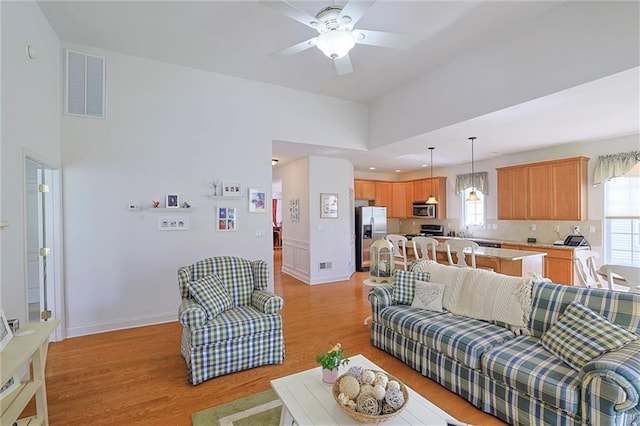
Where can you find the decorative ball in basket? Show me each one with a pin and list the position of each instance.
(370, 396)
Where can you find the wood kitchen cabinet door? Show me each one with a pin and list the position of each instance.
(398, 200)
(512, 193)
(540, 192)
(559, 271)
(383, 196)
(364, 189)
(420, 189)
(409, 198)
(570, 189)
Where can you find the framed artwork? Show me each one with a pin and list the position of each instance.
(173, 201)
(226, 218)
(173, 224)
(257, 200)
(329, 206)
(294, 209)
(231, 189)
(5, 331)
(10, 386)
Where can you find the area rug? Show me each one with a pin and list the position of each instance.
(262, 408)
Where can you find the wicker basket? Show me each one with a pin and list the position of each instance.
(367, 418)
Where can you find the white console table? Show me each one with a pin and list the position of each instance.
(21, 350)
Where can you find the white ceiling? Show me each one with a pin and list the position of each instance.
(236, 37)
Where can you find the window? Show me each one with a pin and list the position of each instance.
(622, 221)
(473, 212)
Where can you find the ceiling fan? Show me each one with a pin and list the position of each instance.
(336, 35)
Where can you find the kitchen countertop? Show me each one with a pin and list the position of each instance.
(518, 243)
(499, 253)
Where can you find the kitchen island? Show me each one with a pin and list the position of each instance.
(518, 263)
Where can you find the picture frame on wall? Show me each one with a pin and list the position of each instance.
(226, 219)
(5, 331)
(231, 189)
(257, 200)
(172, 201)
(329, 206)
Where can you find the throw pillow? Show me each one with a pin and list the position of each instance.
(581, 335)
(211, 293)
(404, 285)
(428, 296)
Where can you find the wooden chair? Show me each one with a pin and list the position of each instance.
(585, 266)
(399, 249)
(631, 275)
(424, 248)
(458, 247)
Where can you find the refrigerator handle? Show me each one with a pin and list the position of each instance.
(372, 223)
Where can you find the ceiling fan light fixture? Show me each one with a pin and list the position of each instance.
(335, 44)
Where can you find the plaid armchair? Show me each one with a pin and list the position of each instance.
(230, 321)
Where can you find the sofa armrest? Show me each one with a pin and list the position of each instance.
(191, 314)
(380, 298)
(184, 276)
(611, 386)
(266, 302)
(260, 270)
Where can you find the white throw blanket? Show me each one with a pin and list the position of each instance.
(484, 295)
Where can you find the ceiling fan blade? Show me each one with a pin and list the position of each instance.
(384, 39)
(293, 13)
(287, 51)
(353, 11)
(343, 65)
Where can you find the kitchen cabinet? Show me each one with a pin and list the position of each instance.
(440, 192)
(558, 263)
(409, 197)
(549, 190)
(398, 208)
(364, 189)
(512, 193)
(420, 190)
(383, 196)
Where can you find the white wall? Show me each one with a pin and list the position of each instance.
(331, 239)
(172, 129)
(572, 44)
(31, 107)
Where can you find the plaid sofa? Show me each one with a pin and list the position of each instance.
(246, 336)
(513, 377)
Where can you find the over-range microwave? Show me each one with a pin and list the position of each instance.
(424, 210)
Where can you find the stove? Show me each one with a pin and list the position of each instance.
(429, 230)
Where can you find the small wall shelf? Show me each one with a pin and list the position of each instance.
(228, 197)
(170, 210)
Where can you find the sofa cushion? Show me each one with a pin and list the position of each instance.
(211, 293)
(428, 296)
(236, 274)
(463, 339)
(236, 323)
(404, 285)
(523, 364)
(581, 335)
(550, 301)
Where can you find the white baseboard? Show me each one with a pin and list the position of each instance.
(121, 324)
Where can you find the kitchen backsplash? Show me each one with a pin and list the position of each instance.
(514, 230)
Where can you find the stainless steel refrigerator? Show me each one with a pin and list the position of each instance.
(371, 225)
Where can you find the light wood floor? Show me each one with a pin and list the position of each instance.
(138, 376)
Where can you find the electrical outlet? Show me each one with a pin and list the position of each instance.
(534, 226)
(592, 229)
(556, 228)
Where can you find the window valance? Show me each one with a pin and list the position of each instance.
(614, 165)
(479, 180)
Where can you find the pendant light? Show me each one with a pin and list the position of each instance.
(472, 195)
(432, 199)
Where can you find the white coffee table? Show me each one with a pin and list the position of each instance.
(306, 400)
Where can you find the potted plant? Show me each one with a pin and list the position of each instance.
(331, 362)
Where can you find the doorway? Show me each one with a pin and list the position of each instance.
(41, 183)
